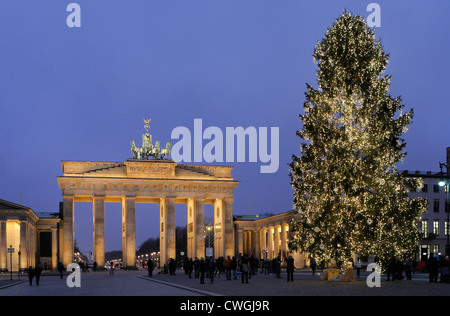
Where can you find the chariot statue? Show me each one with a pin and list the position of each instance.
(147, 149)
(166, 151)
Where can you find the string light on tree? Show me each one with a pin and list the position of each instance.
(347, 188)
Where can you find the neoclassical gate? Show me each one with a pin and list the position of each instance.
(148, 181)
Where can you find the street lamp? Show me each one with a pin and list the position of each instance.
(446, 185)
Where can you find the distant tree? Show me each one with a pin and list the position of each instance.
(83, 256)
(152, 244)
(113, 255)
(149, 246)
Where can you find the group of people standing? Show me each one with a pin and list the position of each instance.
(204, 268)
(245, 265)
(34, 273)
(438, 264)
(274, 266)
(396, 267)
(434, 266)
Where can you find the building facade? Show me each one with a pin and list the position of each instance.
(26, 237)
(434, 224)
(266, 237)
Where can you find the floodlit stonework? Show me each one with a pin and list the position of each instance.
(267, 236)
(148, 181)
(20, 231)
(162, 182)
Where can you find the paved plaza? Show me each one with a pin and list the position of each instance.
(137, 283)
(123, 283)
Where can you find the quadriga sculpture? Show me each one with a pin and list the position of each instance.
(148, 150)
(166, 151)
(135, 151)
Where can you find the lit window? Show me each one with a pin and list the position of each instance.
(425, 228)
(436, 249)
(436, 227)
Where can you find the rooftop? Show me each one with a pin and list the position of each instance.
(419, 173)
(248, 217)
(6, 205)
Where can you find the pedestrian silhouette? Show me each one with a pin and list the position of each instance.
(313, 266)
(290, 268)
(245, 267)
(37, 273)
(150, 267)
(433, 268)
(31, 274)
(60, 269)
(202, 269)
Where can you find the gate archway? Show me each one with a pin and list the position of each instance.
(148, 181)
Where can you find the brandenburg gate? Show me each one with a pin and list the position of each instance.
(144, 180)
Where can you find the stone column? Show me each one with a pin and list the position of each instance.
(61, 242)
(128, 232)
(3, 246)
(33, 242)
(244, 242)
(191, 250)
(199, 228)
(219, 225)
(270, 242)
(240, 241)
(23, 248)
(249, 242)
(98, 205)
(263, 240)
(54, 248)
(196, 228)
(162, 232)
(68, 233)
(276, 232)
(167, 230)
(38, 246)
(284, 247)
(30, 250)
(256, 243)
(228, 227)
(170, 228)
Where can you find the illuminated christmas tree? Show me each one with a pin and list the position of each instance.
(350, 195)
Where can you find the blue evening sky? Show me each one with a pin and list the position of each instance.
(81, 93)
